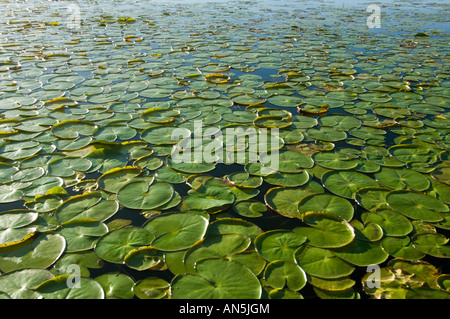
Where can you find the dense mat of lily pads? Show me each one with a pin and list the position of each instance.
(87, 180)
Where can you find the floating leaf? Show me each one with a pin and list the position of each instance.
(217, 278)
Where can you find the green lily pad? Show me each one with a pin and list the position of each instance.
(177, 231)
(73, 129)
(89, 205)
(346, 183)
(327, 230)
(82, 234)
(217, 278)
(285, 201)
(417, 205)
(432, 244)
(37, 252)
(278, 244)
(402, 178)
(143, 195)
(151, 288)
(401, 247)
(211, 197)
(372, 198)
(250, 209)
(15, 226)
(333, 160)
(114, 179)
(322, 263)
(392, 222)
(115, 245)
(361, 253)
(326, 203)
(116, 286)
(58, 288)
(144, 258)
(288, 179)
(21, 284)
(281, 273)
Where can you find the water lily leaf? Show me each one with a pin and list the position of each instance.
(432, 244)
(85, 260)
(285, 201)
(331, 284)
(285, 100)
(58, 288)
(10, 193)
(19, 150)
(346, 183)
(15, 226)
(67, 167)
(293, 162)
(151, 288)
(278, 244)
(210, 198)
(372, 198)
(417, 205)
(143, 195)
(224, 245)
(322, 263)
(361, 253)
(21, 284)
(116, 286)
(326, 133)
(115, 245)
(227, 225)
(73, 129)
(369, 231)
(114, 179)
(177, 231)
(250, 209)
(243, 179)
(113, 132)
(144, 258)
(288, 179)
(191, 167)
(37, 252)
(82, 234)
(326, 203)
(6, 172)
(89, 205)
(231, 281)
(281, 273)
(392, 222)
(326, 231)
(164, 134)
(401, 178)
(333, 160)
(401, 248)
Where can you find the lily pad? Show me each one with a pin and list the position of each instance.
(37, 252)
(217, 278)
(346, 183)
(115, 245)
(143, 195)
(177, 231)
(417, 205)
(326, 203)
(278, 244)
(326, 231)
(322, 263)
(280, 273)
